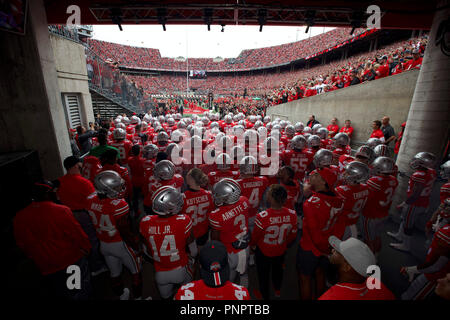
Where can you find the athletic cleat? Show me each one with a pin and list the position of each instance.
(126, 294)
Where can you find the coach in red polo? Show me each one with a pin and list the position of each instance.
(49, 235)
(377, 133)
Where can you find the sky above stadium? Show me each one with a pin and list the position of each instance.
(196, 42)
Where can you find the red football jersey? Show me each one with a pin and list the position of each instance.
(293, 192)
(320, 213)
(298, 160)
(253, 189)
(381, 190)
(198, 290)
(104, 215)
(426, 178)
(343, 161)
(124, 147)
(441, 238)
(91, 167)
(232, 222)
(327, 144)
(197, 205)
(216, 176)
(274, 229)
(343, 151)
(355, 198)
(357, 291)
(153, 184)
(444, 192)
(167, 239)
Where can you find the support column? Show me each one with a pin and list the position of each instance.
(31, 111)
(427, 126)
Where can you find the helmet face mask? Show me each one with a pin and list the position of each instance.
(367, 152)
(341, 140)
(226, 191)
(290, 130)
(298, 143)
(314, 141)
(119, 134)
(299, 126)
(167, 201)
(110, 184)
(150, 151)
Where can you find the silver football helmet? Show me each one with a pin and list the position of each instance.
(341, 140)
(356, 172)
(226, 191)
(144, 126)
(252, 119)
(366, 152)
(119, 134)
(445, 170)
(150, 151)
(290, 130)
(266, 119)
(228, 119)
(164, 170)
(238, 130)
(323, 158)
(214, 124)
(307, 130)
(322, 133)
(382, 165)
(262, 132)
(126, 120)
(109, 183)
(380, 150)
(178, 135)
(167, 201)
(171, 121)
(316, 127)
(162, 137)
(135, 120)
(299, 126)
(373, 142)
(283, 124)
(258, 124)
(423, 159)
(248, 165)
(181, 124)
(314, 141)
(298, 142)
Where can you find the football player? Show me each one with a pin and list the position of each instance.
(436, 266)
(419, 190)
(299, 158)
(229, 223)
(355, 193)
(163, 175)
(320, 212)
(314, 143)
(166, 235)
(252, 186)
(223, 162)
(122, 144)
(198, 203)
(275, 228)
(443, 195)
(382, 186)
(108, 161)
(91, 167)
(137, 171)
(109, 215)
(215, 274)
(325, 143)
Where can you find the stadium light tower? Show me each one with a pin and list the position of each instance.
(162, 13)
(310, 15)
(208, 17)
(262, 18)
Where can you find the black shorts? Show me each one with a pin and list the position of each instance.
(307, 262)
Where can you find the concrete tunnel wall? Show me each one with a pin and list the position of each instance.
(362, 103)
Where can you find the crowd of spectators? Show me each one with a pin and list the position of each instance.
(149, 58)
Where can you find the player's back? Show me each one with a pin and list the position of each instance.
(298, 161)
(216, 176)
(232, 222)
(197, 205)
(381, 191)
(104, 214)
(426, 178)
(355, 198)
(253, 189)
(91, 167)
(166, 237)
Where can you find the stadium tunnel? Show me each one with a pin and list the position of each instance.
(32, 117)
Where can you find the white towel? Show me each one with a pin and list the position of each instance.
(242, 261)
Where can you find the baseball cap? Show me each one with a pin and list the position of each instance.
(327, 174)
(71, 161)
(214, 268)
(355, 252)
